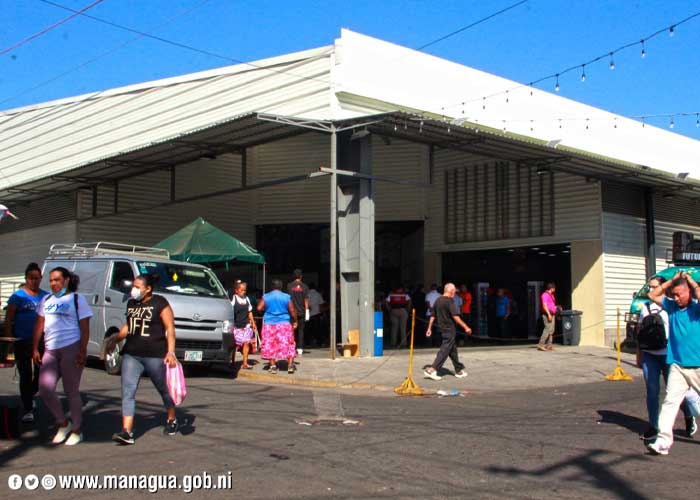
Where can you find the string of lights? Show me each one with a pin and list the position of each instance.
(49, 28)
(608, 55)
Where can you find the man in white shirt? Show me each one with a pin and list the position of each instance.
(430, 299)
(315, 303)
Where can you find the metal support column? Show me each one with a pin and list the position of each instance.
(333, 236)
(367, 228)
(650, 214)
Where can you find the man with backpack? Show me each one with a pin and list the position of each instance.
(683, 353)
(652, 335)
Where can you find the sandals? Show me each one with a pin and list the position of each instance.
(246, 367)
(273, 370)
(292, 368)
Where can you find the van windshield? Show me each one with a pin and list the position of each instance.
(183, 279)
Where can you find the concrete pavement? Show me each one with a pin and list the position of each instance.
(490, 369)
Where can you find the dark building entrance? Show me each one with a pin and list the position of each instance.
(522, 272)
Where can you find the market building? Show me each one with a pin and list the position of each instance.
(435, 181)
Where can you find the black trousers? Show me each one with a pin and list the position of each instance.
(301, 322)
(28, 373)
(313, 332)
(448, 349)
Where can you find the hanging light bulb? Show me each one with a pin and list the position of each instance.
(483, 105)
(421, 127)
(532, 125)
(556, 87)
(612, 62)
(530, 90)
(644, 122)
(462, 108)
(614, 122)
(671, 31)
(644, 52)
(559, 122)
(507, 99)
(504, 125)
(697, 119)
(583, 72)
(671, 123)
(586, 123)
(395, 127)
(405, 124)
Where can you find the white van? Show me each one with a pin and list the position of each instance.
(203, 313)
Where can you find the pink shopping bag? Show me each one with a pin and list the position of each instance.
(176, 383)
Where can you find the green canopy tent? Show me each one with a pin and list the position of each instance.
(202, 242)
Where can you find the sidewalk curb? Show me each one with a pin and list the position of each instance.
(306, 382)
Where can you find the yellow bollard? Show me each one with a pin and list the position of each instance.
(409, 387)
(618, 373)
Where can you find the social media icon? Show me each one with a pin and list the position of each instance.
(31, 482)
(14, 481)
(48, 482)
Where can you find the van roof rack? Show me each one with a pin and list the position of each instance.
(104, 248)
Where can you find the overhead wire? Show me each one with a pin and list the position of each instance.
(220, 56)
(469, 26)
(49, 28)
(191, 48)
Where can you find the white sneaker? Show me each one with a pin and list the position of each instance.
(62, 433)
(658, 448)
(28, 417)
(432, 374)
(461, 374)
(74, 439)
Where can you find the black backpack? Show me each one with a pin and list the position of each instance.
(651, 335)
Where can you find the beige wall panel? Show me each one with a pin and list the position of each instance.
(586, 285)
(19, 248)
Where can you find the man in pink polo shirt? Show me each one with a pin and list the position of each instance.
(549, 311)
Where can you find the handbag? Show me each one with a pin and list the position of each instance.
(176, 383)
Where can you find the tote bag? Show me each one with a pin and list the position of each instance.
(176, 383)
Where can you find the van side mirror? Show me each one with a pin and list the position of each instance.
(126, 285)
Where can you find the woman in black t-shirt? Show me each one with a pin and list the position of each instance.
(150, 346)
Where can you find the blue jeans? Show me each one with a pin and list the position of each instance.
(132, 368)
(654, 366)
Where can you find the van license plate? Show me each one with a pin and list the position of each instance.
(193, 355)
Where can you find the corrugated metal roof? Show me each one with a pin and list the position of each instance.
(42, 141)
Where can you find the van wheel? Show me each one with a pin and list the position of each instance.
(113, 362)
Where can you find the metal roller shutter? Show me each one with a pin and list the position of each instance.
(402, 160)
(624, 262)
(298, 202)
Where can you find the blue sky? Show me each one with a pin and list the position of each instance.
(532, 40)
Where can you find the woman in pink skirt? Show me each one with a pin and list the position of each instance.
(278, 332)
(244, 327)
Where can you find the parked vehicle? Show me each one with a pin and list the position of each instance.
(203, 313)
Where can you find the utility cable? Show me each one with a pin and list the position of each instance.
(49, 28)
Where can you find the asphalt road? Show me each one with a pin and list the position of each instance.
(570, 442)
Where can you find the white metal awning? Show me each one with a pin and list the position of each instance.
(259, 128)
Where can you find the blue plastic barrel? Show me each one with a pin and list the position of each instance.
(378, 333)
